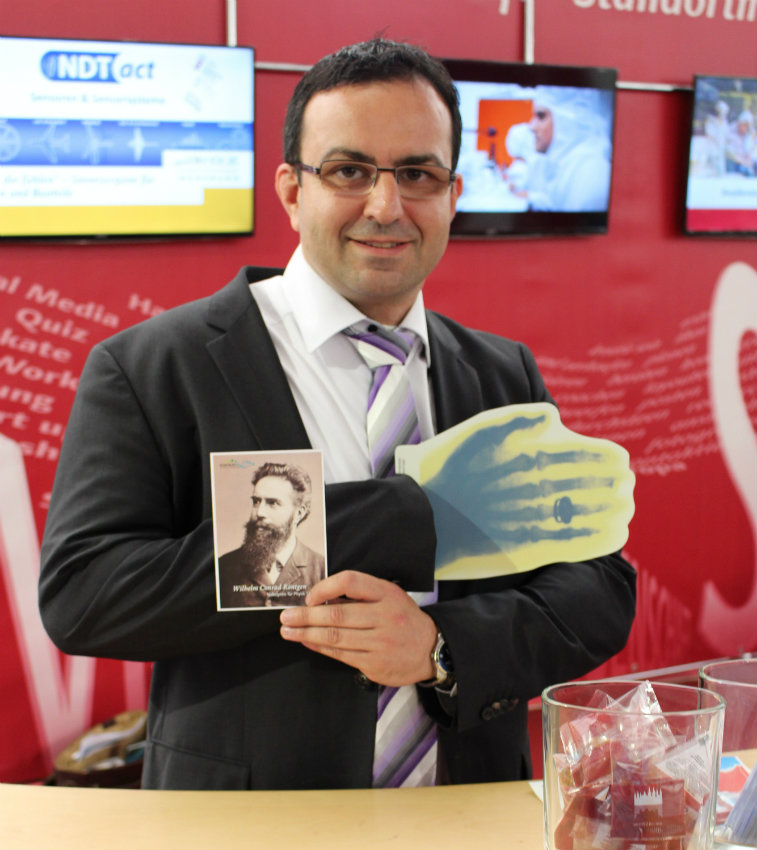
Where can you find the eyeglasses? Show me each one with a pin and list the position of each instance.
(358, 178)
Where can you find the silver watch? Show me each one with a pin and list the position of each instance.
(443, 667)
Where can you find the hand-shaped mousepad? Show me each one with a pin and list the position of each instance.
(513, 489)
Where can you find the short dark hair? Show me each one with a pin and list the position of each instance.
(297, 477)
(377, 60)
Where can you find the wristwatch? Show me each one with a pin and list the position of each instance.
(443, 667)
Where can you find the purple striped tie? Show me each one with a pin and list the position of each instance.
(405, 750)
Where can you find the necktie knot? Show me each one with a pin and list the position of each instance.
(380, 346)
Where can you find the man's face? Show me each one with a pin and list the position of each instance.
(274, 504)
(543, 127)
(377, 249)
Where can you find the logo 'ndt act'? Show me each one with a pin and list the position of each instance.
(61, 65)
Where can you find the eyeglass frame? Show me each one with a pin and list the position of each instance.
(316, 171)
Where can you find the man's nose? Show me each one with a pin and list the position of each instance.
(384, 202)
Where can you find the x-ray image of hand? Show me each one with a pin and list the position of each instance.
(513, 489)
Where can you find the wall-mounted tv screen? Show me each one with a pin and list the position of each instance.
(721, 185)
(102, 138)
(537, 146)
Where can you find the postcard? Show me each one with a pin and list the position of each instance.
(269, 527)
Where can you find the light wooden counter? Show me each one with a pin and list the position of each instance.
(506, 816)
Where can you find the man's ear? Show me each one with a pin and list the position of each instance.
(288, 189)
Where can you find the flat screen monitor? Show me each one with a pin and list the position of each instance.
(101, 138)
(537, 147)
(721, 184)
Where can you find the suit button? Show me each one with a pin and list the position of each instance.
(498, 707)
(364, 682)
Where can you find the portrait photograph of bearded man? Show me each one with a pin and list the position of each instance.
(273, 567)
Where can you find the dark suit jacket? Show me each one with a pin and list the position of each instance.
(303, 568)
(127, 563)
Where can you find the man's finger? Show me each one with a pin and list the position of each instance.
(348, 583)
(331, 640)
(327, 616)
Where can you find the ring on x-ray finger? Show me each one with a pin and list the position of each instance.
(563, 509)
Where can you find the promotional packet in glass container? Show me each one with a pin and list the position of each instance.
(633, 776)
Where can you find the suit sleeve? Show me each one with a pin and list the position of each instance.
(511, 637)
(127, 562)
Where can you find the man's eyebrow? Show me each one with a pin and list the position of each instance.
(361, 156)
(421, 159)
(348, 153)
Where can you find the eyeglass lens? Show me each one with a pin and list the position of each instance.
(414, 181)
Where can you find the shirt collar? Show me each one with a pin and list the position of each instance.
(284, 554)
(321, 312)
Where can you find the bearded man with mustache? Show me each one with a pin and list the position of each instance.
(272, 568)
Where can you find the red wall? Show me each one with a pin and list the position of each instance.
(622, 324)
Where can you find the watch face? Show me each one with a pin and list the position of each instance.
(445, 659)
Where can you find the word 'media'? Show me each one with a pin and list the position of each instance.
(83, 309)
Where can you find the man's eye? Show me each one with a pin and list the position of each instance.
(416, 175)
(423, 177)
(350, 172)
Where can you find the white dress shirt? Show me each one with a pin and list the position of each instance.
(329, 379)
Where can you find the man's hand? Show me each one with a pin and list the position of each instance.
(370, 624)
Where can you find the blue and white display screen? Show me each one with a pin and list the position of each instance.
(118, 138)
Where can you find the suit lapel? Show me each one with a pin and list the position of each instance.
(457, 396)
(248, 363)
(455, 383)
(247, 360)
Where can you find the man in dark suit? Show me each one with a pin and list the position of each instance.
(272, 567)
(371, 142)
